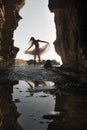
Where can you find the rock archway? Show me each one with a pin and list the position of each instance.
(70, 21)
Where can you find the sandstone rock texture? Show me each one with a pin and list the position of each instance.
(8, 23)
(71, 31)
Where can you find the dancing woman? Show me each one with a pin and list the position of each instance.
(37, 51)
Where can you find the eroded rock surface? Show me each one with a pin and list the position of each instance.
(71, 31)
(8, 23)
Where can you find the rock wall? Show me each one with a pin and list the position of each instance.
(8, 25)
(8, 111)
(2, 20)
(71, 30)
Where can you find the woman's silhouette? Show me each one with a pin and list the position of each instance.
(37, 51)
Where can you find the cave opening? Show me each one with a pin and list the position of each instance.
(38, 22)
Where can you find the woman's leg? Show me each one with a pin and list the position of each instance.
(39, 58)
(34, 59)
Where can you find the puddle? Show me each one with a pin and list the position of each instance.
(29, 100)
(33, 104)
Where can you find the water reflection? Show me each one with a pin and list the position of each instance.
(8, 110)
(40, 107)
(36, 86)
(33, 104)
(75, 109)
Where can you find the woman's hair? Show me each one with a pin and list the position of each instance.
(32, 39)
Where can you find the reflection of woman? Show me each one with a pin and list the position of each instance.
(37, 51)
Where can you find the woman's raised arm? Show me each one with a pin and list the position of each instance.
(43, 41)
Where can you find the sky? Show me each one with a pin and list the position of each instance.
(37, 21)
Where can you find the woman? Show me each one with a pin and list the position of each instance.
(37, 51)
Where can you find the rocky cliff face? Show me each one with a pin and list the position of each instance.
(8, 23)
(70, 21)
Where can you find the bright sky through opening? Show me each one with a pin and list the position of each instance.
(38, 22)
